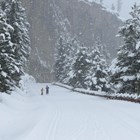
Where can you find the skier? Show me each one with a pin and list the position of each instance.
(47, 89)
(42, 91)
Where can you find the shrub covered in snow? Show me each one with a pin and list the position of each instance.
(26, 79)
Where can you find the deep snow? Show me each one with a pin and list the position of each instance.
(65, 115)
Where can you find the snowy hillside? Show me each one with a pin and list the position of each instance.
(74, 18)
(65, 115)
(125, 6)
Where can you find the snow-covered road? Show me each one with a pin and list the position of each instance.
(65, 115)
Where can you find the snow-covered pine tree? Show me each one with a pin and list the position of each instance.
(69, 54)
(126, 71)
(112, 7)
(101, 2)
(65, 52)
(119, 5)
(103, 50)
(60, 59)
(7, 59)
(80, 66)
(72, 45)
(98, 74)
(16, 17)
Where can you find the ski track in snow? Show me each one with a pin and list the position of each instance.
(64, 115)
(50, 135)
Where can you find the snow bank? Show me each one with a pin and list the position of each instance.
(84, 91)
(26, 79)
(115, 96)
(23, 88)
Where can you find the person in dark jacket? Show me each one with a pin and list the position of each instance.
(47, 89)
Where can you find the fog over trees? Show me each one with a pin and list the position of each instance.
(78, 19)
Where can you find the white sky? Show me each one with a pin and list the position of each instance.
(126, 6)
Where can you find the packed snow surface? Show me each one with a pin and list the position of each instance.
(66, 115)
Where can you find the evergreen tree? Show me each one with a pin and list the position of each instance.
(16, 17)
(72, 47)
(125, 76)
(14, 43)
(69, 54)
(65, 53)
(101, 2)
(98, 75)
(7, 59)
(112, 7)
(60, 60)
(103, 50)
(80, 68)
(119, 5)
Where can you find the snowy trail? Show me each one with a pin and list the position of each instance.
(64, 115)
